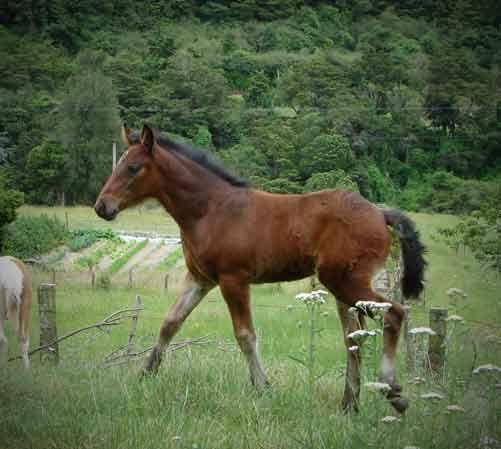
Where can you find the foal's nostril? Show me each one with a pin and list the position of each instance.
(100, 208)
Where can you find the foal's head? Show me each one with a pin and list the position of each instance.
(133, 179)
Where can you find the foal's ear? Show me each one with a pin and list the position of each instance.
(126, 135)
(148, 138)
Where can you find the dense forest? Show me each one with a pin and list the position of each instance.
(398, 99)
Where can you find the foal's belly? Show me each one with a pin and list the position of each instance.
(290, 270)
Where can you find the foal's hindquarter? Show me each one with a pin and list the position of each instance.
(254, 237)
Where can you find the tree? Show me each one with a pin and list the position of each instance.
(88, 123)
(325, 153)
(10, 200)
(258, 94)
(46, 164)
(334, 179)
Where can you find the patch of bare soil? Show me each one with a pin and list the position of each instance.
(71, 257)
(137, 260)
(158, 255)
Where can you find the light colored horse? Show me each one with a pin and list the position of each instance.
(15, 305)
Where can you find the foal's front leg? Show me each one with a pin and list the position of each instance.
(237, 296)
(191, 295)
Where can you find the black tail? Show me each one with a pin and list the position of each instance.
(412, 252)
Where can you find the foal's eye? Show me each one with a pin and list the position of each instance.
(133, 168)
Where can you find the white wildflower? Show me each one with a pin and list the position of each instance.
(360, 335)
(315, 297)
(455, 318)
(455, 408)
(488, 442)
(432, 396)
(418, 380)
(319, 292)
(376, 308)
(353, 348)
(456, 292)
(422, 330)
(389, 419)
(377, 386)
(487, 368)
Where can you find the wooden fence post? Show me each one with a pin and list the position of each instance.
(133, 327)
(166, 282)
(48, 328)
(436, 346)
(410, 350)
(130, 278)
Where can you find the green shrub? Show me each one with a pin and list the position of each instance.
(103, 281)
(280, 185)
(334, 179)
(445, 193)
(122, 260)
(33, 236)
(93, 259)
(172, 259)
(480, 231)
(84, 238)
(10, 200)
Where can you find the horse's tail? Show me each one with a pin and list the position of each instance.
(412, 252)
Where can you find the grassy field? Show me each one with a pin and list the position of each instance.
(147, 219)
(202, 397)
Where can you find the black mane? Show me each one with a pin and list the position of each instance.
(200, 157)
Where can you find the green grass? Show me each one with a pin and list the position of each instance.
(202, 397)
(171, 259)
(117, 264)
(148, 219)
(91, 260)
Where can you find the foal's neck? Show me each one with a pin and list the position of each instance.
(187, 188)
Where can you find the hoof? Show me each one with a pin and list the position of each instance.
(396, 389)
(262, 386)
(152, 364)
(146, 374)
(349, 406)
(399, 403)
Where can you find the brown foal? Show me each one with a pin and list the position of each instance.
(234, 236)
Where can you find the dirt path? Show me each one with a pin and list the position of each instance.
(138, 258)
(157, 256)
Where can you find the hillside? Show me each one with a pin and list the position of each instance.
(401, 102)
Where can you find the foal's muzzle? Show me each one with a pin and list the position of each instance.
(106, 208)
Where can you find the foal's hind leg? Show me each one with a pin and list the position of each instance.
(356, 286)
(237, 297)
(189, 298)
(351, 322)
